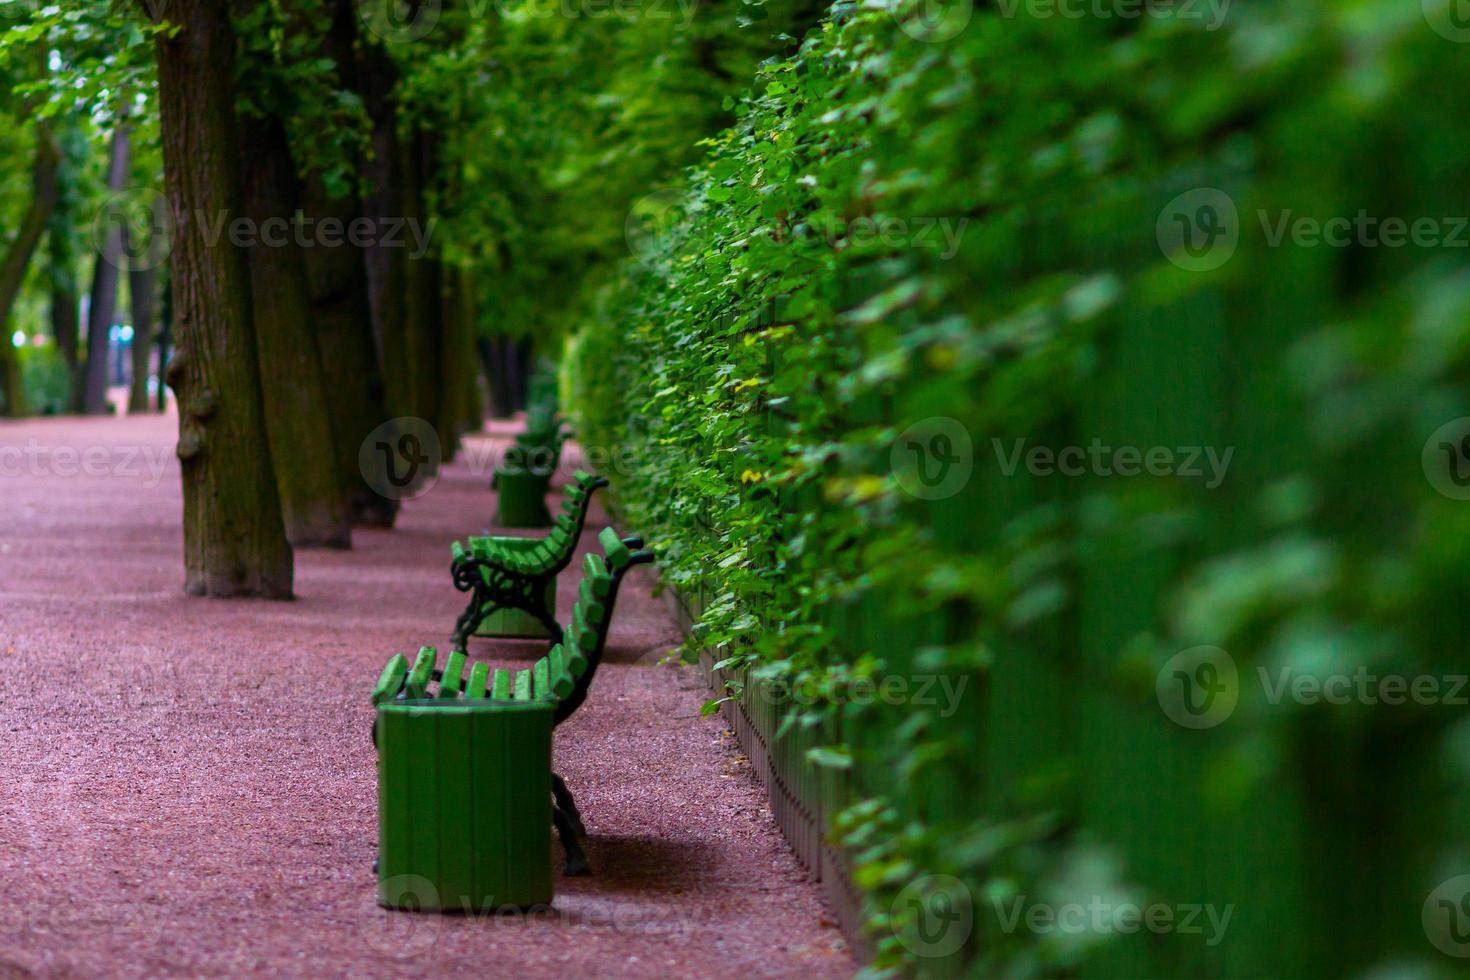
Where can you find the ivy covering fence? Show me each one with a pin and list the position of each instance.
(999, 356)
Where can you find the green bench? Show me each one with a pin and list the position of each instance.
(524, 476)
(562, 677)
(512, 580)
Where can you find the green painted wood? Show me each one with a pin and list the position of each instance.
(452, 680)
(560, 677)
(390, 682)
(540, 678)
(464, 793)
(612, 546)
(522, 687)
(500, 688)
(479, 676)
(576, 661)
(521, 499)
(595, 573)
(416, 685)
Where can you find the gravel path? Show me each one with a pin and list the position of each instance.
(188, 786)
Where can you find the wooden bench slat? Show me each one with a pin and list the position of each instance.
(479, 675)
(452, 679)
(541, 678)
(391, 680)
(500, 689)
(417, 683)
(596, 573)
(576, 661)
(561, 679)
(591, 606)
(617, 553)
(523, 685)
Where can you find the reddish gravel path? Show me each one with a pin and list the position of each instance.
(188, 785)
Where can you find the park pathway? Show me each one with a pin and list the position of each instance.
(188, 786)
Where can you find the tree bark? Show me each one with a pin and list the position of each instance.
(142, 287)
(44, 191)
(386, 267)
(103, 307)
(165, 335)
(460, 406)
(303, 450)
(423, 290)
(339, 296)
(234, 537)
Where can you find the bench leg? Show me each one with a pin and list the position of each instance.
(576, 857)
(547, 618)
(467, 623)
(566, 804)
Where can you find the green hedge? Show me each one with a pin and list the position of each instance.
(768, 377)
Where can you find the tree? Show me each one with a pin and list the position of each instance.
(92, 398)
(356, 398)
(234, 536)
(18, 257)
(142, 290)
(303, 449)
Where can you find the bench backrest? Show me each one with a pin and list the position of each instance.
(564, 675)
(581, 649)
(553, 552)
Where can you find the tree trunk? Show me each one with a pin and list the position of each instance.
(344, 327)
(495, 359)
(308, 475)
(423, 290)
(142, 287)
(234, 537)
(459, 408)
(386, 267)
(165, 336)
(473, 405)
(103, 308)
(64, 326)
(18, 257)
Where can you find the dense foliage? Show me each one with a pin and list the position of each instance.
(749, 378)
